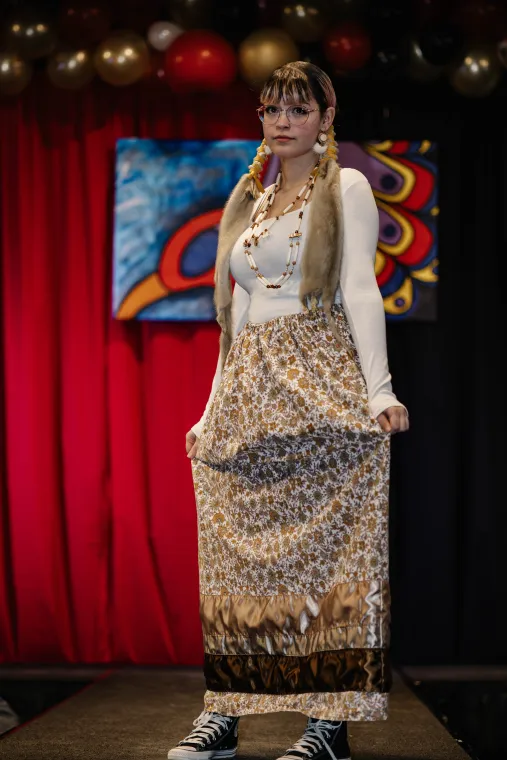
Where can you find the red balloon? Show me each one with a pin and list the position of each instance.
(84, 22)
(200, 60)
(348, 46)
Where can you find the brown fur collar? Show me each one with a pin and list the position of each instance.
(322, 249)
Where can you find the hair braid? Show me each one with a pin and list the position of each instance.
(331, 153)
(257, 165)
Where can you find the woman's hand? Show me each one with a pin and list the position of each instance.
(191, 444)
(394, 420)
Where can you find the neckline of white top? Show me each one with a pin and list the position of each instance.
(272, 218)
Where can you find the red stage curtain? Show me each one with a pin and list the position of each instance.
(98, 550)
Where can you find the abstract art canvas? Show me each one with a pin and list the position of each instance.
(169, 197)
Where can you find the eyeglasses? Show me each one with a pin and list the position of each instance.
(295, 114)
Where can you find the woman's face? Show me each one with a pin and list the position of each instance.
(289, 139)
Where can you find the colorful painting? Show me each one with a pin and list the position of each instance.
(169, 201)
(404, 179)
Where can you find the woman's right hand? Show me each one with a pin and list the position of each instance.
(191, 444)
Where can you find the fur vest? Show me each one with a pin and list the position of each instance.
(321, 255)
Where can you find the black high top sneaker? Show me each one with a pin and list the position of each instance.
(322, 740)
(214, 735)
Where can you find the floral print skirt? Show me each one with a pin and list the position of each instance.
(291, 483)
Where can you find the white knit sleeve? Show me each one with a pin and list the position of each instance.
(239, 315)
(361, 297)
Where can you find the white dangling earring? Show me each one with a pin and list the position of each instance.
(320, 146)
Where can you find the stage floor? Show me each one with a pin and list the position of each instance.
(140, 713)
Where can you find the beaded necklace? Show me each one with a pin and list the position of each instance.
(294, 236)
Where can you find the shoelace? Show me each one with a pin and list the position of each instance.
(207, 724)
(313, 738)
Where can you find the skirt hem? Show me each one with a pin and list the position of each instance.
(348, 705)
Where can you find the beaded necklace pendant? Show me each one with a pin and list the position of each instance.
(294, 237)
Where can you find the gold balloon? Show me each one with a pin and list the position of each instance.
(29, 34)
(71, 69)
(478, 73)
(264, 51)
(122, 59)
(15, 73)
(303, 21)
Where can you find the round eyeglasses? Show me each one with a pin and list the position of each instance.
(295, 114)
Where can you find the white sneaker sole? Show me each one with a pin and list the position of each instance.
(187, 754)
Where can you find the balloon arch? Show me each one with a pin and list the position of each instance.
(201, 45)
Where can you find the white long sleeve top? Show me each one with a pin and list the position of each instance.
(358, 291)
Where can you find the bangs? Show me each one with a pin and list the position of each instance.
(299, 82)
(290, 86)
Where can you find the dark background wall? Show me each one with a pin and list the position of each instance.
(448, 503)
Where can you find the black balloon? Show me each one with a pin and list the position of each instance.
(419, 69)
(347, 9)
(441, 44)
(191, 14)
(390, 16)
(235, 19)
(313, 52)
(269, 12)
(426, 11)
(390, 57)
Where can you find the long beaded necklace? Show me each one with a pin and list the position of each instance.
(294, 237)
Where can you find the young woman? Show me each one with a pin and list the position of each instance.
(290, 459)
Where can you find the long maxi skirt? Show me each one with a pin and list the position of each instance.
(291, 482)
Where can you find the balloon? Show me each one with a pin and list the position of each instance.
(84, 23)
(200, 60)
(139, 18)
(161, 34)
(71, 69)
(484, 20)
(390, 57)
(427, 11)
(313, 52)
(390, 16)
(478, 73)
(263, 51)
(303, 21)
(348, 46)
(347, 9)
(15, 73)
(122, 58)
(191, 14)
(502, 52)
(268, 12)
(419, 68)
(441, 43)
(235, 19)
(29, 33)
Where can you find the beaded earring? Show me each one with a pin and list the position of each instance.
(321, 146)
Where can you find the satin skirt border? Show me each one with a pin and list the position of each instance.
(363, 670)
(348, 705)
(353, 615)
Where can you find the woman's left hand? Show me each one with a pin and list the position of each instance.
(394, 420)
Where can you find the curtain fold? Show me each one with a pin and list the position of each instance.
(99, 559)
